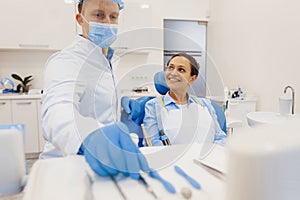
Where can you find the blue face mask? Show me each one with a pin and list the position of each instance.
(102, 34)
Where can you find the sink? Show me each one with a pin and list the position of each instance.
(258, 118)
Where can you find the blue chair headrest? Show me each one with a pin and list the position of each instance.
(160, 83)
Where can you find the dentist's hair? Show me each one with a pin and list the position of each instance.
(80, 5)
(194, 65)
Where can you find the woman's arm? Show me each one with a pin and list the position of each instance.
(151, 121)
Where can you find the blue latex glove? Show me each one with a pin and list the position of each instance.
(110, 151)
(135, 108)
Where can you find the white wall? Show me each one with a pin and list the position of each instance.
(24, 63)
(255, 44)
(152, 62)
(32, 62)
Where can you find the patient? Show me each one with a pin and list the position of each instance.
(181, 116)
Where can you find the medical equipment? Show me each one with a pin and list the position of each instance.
(192, 181)
(165, 140)
(215, 161)
(168, 186)
(186, 193)
(147, 140)
(102, 34)
(263, 162)
(214, 171)
(12, 158)
(118, 187)
(148, 187)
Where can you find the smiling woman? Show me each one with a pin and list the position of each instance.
(181, 71)
(182, 116)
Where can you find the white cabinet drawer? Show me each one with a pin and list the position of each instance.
(25, 112)
(5, 112)
(238, 109)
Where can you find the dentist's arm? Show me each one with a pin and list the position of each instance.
(110, 151)
(135, 108)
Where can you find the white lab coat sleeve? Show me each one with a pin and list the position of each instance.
(62, 123)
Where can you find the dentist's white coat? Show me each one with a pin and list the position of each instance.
(79, 97)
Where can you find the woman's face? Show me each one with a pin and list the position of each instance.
(178, 74)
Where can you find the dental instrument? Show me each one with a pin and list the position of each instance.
(148, 187)
(118, 187)
(186, 193)
(147, 140)
(168, 186)
(217, 173)
(165, 140)
(192, 181)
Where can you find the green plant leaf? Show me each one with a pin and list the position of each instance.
(27, 78)
(26, 81)
(17, 77)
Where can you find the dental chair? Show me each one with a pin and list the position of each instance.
(162, 89)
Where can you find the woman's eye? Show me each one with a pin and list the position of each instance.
(170, 68)
(181, 69)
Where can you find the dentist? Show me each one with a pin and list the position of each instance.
(80, 100)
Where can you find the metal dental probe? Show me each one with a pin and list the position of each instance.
(148, 187)
(118, 187)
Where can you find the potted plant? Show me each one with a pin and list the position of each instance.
(23, 87)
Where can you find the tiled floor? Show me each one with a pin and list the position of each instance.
(30, 160)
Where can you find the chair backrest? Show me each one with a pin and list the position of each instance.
(162, 88)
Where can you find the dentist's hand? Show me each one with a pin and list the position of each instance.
(135, 108)
(110, 151)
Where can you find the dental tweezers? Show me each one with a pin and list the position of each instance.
(148, 187)
(118, 187)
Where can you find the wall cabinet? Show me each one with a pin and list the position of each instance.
(24, 111)
(134, 32)
(33, 24)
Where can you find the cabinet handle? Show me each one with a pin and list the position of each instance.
(2, 103)
(120, 48)
(36, 46)
(23, 103)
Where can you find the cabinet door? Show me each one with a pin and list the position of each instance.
(239, 109)
(24, 112)
(37, 24)
(134, 33)
(40, 132)
(5, 112)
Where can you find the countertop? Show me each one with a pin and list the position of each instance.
(11, 96)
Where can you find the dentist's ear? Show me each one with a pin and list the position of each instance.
(79, 19)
